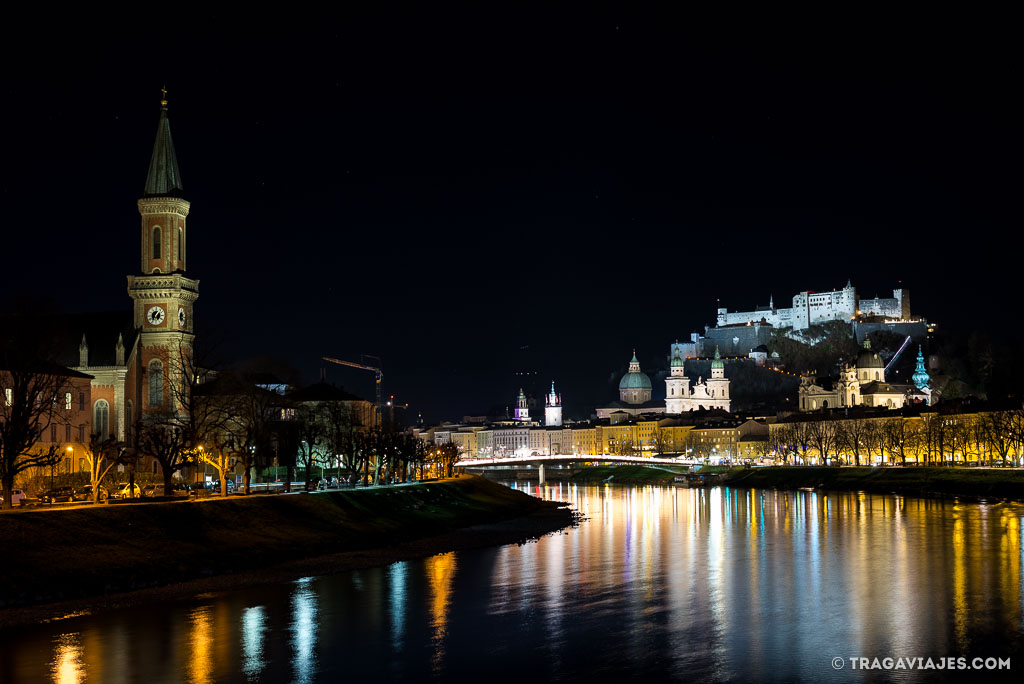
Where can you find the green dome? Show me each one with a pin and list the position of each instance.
(677, 360)
(717, 363)
(635, 381)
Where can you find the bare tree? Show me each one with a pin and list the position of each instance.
(312, 438)
(33, 388)
(852, 437)
(163, 439)
(822, 436)
(102, 455)
(998, 426)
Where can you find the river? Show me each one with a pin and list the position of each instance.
(657, 583)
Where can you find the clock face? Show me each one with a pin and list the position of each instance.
(181, 317)
(155, 316)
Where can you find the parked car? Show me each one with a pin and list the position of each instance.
(152, 490)
(215, 486)
(58, 494)
(17, 496)
(124, 491)
(85, 494)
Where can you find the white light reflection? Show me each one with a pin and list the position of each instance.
(397, 574)
(67, 660)
(253, 621)
(303, 629)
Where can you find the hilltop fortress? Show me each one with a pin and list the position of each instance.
(811, 308)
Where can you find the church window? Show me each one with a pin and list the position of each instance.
(101, 418)
(156, 383)
(67, 401)
(181, 237)
(156, 242)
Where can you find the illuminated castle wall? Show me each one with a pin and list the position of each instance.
(810, 308)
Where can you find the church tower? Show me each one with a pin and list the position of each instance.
(163, 296)
(552, 407)
(677, 385)
(522, 408)
(718, 385)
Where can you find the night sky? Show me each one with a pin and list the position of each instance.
(468, 194)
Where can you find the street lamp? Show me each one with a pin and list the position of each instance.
(198, 455)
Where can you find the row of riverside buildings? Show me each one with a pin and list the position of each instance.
(956, 433)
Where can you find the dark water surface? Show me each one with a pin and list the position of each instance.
(658, 584)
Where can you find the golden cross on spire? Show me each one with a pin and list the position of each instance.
(163, 100)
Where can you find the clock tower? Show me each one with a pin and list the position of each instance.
(163, 296)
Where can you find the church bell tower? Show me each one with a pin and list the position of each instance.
(163, 296)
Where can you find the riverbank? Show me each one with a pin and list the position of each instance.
(76, 559)
(626, 474)
(996, 483)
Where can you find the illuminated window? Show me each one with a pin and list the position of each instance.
(67, 401)
(156, 242)
(181, 237)
(101, 418)
(9, 394)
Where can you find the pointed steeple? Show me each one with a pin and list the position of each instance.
(717, 363)
(920, 376)
(83, 353)
(164, 178)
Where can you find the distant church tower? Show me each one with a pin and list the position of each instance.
(920, 376)
(163, 296)
(718, 386)
(677, 385)
(522, 408)
(553, 407)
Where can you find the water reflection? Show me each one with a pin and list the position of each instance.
(67, 660)
(303, 631)
(253, 620)
(657, 584)
(440, 572)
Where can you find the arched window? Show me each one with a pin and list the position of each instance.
(101, 418)
(156, 242)
(67, 401)
(156, 383)
(181, 239)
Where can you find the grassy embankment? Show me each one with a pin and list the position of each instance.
(55, 555)
(968, 482)
(626, 474)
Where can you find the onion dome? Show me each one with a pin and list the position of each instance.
(868, 358)
(634, 379)
(677, 360)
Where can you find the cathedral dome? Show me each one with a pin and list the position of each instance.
(634, 379)
(867, 358)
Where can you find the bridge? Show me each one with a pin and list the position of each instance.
(540, 461)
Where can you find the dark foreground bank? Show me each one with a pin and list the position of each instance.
(77, 559)
(978, 483)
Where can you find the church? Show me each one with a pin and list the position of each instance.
(137, 358)
(863, 384)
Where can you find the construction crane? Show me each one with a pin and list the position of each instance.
(353, 364)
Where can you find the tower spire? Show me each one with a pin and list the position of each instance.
(163, 178)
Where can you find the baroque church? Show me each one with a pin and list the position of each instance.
(863, 383)
(136, 359)
(635, 390)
